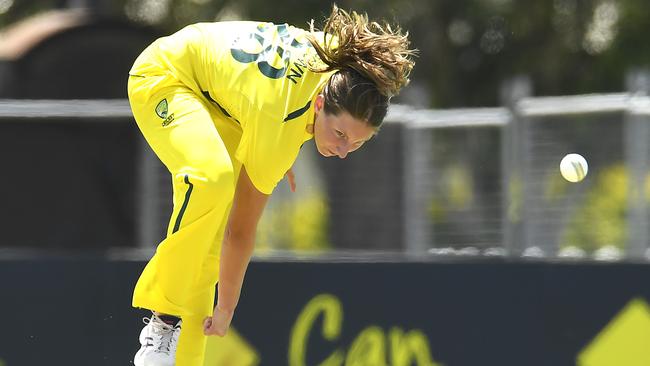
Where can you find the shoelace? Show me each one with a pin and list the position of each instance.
(162, 330)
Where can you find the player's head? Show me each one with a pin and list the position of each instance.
(372, 64)
(339, 133)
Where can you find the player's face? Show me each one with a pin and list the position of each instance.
(339, 135)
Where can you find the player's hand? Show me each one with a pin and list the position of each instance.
(292, 180)
(218, 323)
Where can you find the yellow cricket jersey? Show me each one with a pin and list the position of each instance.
(257, 75)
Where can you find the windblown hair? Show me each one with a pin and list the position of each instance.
(378, 52)
(369, 58)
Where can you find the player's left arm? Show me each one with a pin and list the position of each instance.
(236, 251)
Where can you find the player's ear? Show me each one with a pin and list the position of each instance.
(319, 103)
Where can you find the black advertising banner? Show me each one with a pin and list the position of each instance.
(77, 312)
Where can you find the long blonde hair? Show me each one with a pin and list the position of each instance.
(378, 52)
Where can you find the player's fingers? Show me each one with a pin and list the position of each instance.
(207, 325)
(214, 327)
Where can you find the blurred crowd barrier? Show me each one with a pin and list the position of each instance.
(462, 182)
(387, 313)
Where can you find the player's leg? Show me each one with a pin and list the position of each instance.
(192, 339)
(192, 342)
(178, 126)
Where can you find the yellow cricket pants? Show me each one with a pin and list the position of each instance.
(195, 141)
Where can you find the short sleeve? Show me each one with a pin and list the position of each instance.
(267, 150)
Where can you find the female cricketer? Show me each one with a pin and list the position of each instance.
(226, 107)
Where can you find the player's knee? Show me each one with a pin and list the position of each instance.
(215, 179)
(221, 182)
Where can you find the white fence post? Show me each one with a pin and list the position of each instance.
(637, 156)
(513, 157)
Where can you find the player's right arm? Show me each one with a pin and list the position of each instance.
(236, 251)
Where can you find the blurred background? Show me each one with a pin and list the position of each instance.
(463, 186)
(464, 172)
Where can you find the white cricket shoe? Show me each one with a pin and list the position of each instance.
(158, 343)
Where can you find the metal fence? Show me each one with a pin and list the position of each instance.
(478, 182)
(487, 182)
